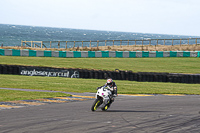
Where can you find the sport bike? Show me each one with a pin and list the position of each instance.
(102, 100)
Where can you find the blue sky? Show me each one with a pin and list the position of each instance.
(178, 17)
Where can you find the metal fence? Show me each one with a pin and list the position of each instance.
(144, 42)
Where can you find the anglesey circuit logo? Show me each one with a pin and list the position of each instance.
(61, 73)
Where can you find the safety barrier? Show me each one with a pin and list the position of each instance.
(98, 54)
(99, 74)
(97, 43)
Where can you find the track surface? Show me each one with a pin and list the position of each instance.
(148, 114)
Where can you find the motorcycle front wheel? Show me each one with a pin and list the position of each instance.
(96, 104)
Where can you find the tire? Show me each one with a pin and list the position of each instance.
(96, 104)
(106, 107)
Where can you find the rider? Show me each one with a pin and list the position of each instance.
(112, 87)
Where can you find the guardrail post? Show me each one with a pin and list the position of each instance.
(196, 41)
(74, 44)
(82, 44)
(135, 42)
(97, 43)
(149, 42)
(41, 44)
(66, 45)
(58, 44)
(172, 41)
(90, 43)
(142, 44)
(31, 44)
(22, 43)
(113, 42)
(120, 42)
(50, 44)
(157, 42)
(180, 42)
(188, 41)
(128, 42)
(164, 42)
(105, 42)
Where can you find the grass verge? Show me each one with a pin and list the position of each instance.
(171, 65)
(90, 85)
(12, 95)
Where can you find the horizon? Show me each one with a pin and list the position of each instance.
(96, 30)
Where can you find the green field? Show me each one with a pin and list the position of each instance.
(11, 95)
(90, 85)
(171, 65)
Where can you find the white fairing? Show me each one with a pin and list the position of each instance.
(104, 93)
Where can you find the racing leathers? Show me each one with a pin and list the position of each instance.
(113, 88)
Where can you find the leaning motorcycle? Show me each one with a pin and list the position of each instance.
(102, 100)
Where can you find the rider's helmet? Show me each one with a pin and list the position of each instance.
(109, 82)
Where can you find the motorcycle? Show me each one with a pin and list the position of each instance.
(103, 99)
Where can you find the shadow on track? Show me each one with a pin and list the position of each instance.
(129, 111)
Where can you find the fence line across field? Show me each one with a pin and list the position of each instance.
(90, 43)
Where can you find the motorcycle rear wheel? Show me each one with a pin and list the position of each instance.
(106, 107)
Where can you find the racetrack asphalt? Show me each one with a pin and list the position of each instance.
(128, 114)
